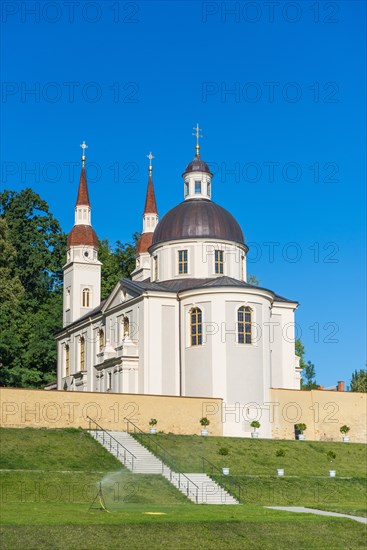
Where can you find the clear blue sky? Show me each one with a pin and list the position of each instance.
(145, 74)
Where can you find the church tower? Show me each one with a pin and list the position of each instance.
(82, 271)
(150, 221)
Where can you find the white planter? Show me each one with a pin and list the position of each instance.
(153, 430)
(225, 471)
(204, 432)
(345, 439)
(280, 472)
(301, 437)
(332, 473)
(255, 435)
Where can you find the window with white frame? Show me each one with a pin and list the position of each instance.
(244, 325)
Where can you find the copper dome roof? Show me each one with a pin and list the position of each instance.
(82, 235)
(198, 218)
(197, 165)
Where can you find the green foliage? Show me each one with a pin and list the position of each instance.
(253, 280)
(32, 253)
(38, 240)
(32, 248)
(301, 427)
(204, 421)
(359, 381)
(308, 374)
(280, 453)
(118, 262)
(308, 381)
(223, 451)
(255, 424)
(153, 422)
(344, 429)
(331, 455)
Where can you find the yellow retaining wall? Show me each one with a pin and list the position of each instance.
(324, 412)
(21, 408)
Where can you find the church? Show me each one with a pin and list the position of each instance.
(187, 323)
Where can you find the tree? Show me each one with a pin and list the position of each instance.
(308, 374)
(359, 381)
(308, 381)
(38, 240)
(32, 247)
(300, 352)
(11, 293)
(118, 262)
(32, 253)
(253, 280)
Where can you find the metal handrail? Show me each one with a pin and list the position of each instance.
(164, 460)
(223, 477)
(111, 437)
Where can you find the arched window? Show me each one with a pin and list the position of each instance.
(68, 298)
(82, 353)
(67, 360)
(196, 327)
(101, 340)
(126, 324)
(86, 297)
(244, 327)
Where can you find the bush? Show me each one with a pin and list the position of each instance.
(153, 422)
(223, 451)
(330, 455)
(301, 427)
(204, 421)
(255, 424)
(280, 453)
(344, 429)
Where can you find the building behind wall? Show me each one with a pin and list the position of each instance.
(188, 323)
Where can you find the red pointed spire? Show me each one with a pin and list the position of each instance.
(83, 196)
(150, 203)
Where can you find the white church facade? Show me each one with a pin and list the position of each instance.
(188, 323)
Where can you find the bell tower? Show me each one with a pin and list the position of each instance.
(197, 176)
(82, 271)
(150, 221)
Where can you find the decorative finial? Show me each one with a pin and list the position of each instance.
(150, 157)
(84, 146)
(197, 135)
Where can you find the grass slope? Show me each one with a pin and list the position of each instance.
(253, 464)
(49, 478)
(257, 456)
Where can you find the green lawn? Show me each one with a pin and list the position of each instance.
(253, 465)
(257, 456)
(50, 477)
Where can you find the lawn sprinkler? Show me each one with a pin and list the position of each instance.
(98, 501)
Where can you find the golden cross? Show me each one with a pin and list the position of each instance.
(198, 135)
(84, 146)
(150, 157)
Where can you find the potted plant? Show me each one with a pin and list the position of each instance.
(255, 424)
(330, 455)
(344, 430)
(301, 427)
(204, 422)
(223, 451)
(280, 453)
(152, 423)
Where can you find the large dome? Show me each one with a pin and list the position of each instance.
(198, 218)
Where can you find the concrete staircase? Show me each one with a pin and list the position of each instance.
(199, 488)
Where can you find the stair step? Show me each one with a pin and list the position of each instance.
(198, 488)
